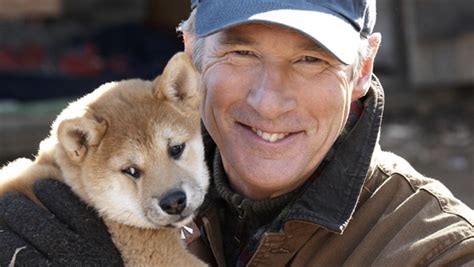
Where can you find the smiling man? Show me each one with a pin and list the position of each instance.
(273, 108)
(292, 115)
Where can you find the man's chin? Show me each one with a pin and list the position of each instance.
(271, 179)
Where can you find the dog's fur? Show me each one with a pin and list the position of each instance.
(131, 123)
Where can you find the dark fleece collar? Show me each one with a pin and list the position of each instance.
(332, 198)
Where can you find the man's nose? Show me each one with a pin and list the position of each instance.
(271, 96)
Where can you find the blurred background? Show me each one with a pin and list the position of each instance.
(52, 51)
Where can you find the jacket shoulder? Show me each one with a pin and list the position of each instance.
(428, 219)
(391, 166)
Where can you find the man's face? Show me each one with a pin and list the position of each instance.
(274, 103)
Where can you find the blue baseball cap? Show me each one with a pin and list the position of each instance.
(336, 25)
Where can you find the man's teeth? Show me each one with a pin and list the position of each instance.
(270, 137)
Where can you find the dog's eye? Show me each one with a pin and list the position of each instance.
(132, 171)
(176, 151)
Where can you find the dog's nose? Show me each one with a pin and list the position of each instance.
(173, 203)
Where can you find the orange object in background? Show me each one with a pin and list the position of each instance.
(84, 62)
(29, 58)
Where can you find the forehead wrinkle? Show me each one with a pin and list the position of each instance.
(310, 45)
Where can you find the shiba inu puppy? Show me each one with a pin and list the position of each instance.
(132, 150)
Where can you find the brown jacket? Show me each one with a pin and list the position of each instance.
(366, 208)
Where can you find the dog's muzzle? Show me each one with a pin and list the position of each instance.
(173, 203)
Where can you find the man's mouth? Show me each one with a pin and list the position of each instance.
(270, 137)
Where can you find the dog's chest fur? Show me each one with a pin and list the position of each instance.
(150, 247)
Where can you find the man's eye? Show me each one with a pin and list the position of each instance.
(243, 53)
(310, 59)
(132, 171)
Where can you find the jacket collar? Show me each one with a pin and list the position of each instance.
(331, 199)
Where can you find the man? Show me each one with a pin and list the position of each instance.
(292, 113)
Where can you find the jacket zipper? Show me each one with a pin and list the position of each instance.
(240, 223)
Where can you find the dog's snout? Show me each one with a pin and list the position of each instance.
(173, 203)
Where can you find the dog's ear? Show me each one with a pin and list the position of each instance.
(179, 81)
(78, 135)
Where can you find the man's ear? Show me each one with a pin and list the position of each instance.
(179, 81)
(188, 44)
(362, 84)
(78, 135)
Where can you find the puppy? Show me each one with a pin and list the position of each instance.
(132, 150)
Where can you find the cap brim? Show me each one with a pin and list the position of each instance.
(330, 31)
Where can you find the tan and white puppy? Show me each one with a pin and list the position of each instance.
(132, 150)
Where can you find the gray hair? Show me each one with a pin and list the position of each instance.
(197, 42)
(198, 46)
